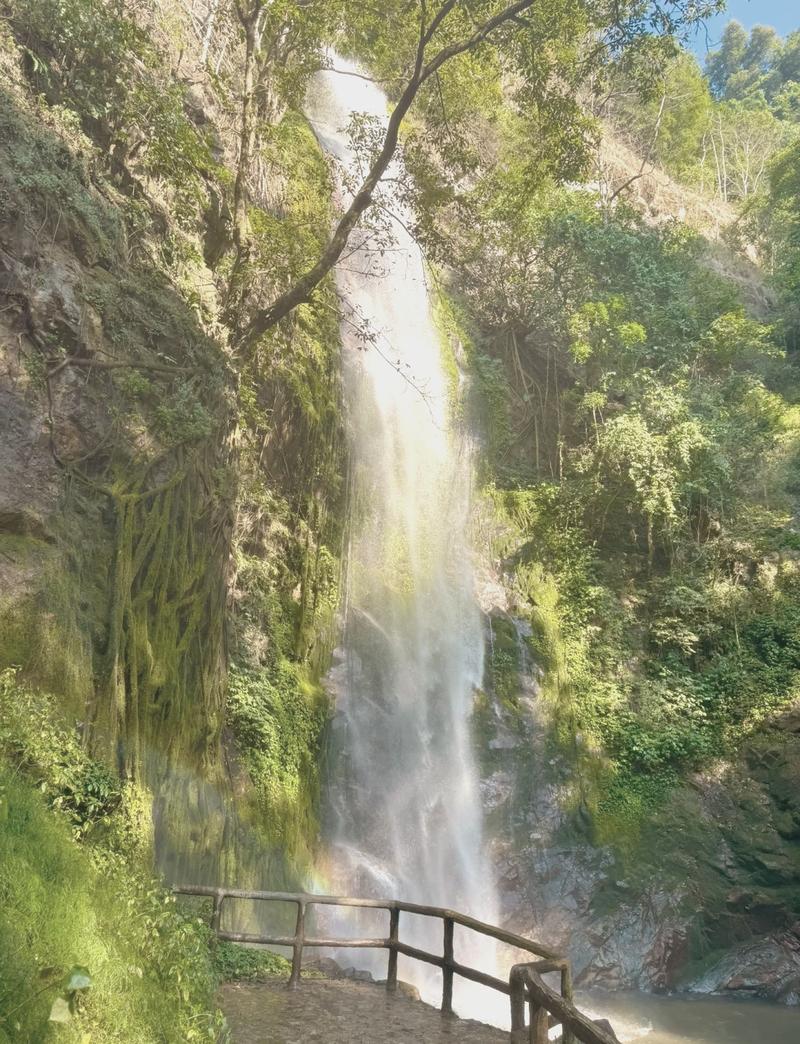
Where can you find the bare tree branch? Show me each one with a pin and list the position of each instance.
(645, 158)
(103, 364)
(304, 287)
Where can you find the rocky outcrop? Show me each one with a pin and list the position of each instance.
(714, 913)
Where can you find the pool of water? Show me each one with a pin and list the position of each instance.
(693, 1020)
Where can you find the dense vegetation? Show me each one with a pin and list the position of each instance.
(651, 525)
(90, 944)
(641, 453)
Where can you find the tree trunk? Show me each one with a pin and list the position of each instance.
(247, 132)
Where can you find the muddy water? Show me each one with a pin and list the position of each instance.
(693, 1020)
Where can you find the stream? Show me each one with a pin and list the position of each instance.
(687, 1019)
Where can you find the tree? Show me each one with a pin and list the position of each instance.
(723, 63)
(758, 66)
(741, 140)
(426, 65)
(667, 123)
(451, 30)
(783, 232)
(282, 47)
(788, 64)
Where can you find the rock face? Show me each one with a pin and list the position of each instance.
(705, 899)
(125, 582)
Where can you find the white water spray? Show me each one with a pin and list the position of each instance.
(405, 811)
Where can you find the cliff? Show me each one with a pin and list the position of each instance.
(169, 518)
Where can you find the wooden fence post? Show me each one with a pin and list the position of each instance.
(394, 936)
(447, 970)
(297, 948)
(567, 1036)
(517, 986)
(540, 1024)
(216, 913)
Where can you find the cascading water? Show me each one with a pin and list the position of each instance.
(404, 804)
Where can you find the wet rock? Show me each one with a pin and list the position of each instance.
(720, 861)
(606, 1026)
(404, 989)
(358, 975)
(408, 989)
(768, 968)
(326, 966)
(496, 790)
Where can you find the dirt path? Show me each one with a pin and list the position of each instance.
(341, 1012)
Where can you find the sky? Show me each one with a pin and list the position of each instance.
(783, 15)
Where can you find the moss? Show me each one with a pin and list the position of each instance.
(277, 716)
(504, 662)
(42, 626)
(288, 543)
(141, 559)
(449, 324)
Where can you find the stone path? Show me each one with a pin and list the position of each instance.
(341, 1012)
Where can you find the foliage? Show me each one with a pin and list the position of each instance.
(234, 963)
(746, 65)
(741, 139)
(773, 220)
(96, 59)
(646, 491)
(664, 120)
(287, 565)
(88, 940)
(277, 716)
(717, 131)
(31, 736)
(40, 179)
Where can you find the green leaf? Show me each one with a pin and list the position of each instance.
(60, 1011)
(78, 979)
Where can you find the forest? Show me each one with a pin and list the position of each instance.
(609, 228)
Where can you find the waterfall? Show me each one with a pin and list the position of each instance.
(404, 815)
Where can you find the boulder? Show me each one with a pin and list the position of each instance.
(768, 968)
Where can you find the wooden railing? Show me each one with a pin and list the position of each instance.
(547, 1009)
(524, 984)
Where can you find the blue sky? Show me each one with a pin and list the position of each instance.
(784, 15)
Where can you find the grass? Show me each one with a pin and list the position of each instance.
(76, 891)
(63, 905)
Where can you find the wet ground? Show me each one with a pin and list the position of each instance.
(341, 1012)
